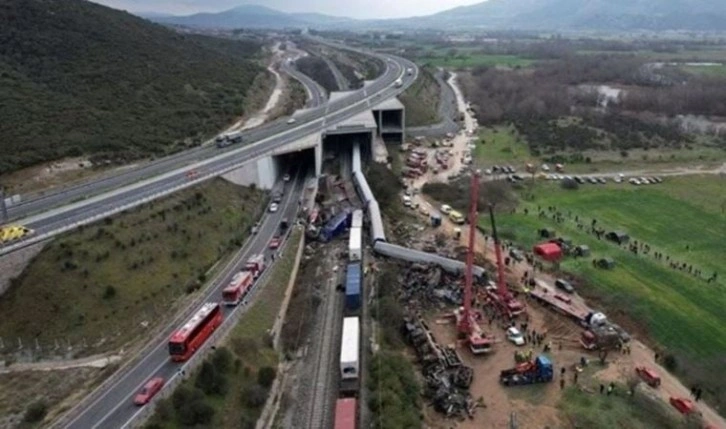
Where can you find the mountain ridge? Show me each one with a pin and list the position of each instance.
(617, 15)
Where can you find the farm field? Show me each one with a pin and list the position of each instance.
(465, 60)
(100, 285)
(681, 314)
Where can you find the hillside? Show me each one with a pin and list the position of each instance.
(78, 78)
(252, 16)
(609, 15)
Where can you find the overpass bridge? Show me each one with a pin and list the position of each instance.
(89, 202)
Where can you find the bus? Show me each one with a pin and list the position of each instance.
(456, 217)
(187, 339)
(238, 287)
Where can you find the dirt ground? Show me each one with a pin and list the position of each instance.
(46, 176)
(535, 406)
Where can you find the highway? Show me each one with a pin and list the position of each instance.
(154, 180)
(113, 406)
(316, 93)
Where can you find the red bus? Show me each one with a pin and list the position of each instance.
(187, 339)
(237, 288)
(346, 413)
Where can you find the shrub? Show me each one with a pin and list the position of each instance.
(222, 360)
(254, 396)
(35, 412)
(109, 292)
(266, 376)
(570, 184)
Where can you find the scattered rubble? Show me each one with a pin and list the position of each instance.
(447, 378)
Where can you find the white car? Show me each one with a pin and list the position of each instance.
(634, 181)
(273, 207)
(291, 121)
(286, 178)
(446, 209)
(515, 336)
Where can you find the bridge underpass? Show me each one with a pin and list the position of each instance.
(385, 123)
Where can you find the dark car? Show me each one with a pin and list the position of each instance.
(277, 197)
(564, 285)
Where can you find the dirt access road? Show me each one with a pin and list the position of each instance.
(536, 406)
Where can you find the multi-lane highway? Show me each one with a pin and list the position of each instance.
(316, 93)
(154, 180)
(112, 406)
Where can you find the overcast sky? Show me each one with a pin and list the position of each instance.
(350, 8)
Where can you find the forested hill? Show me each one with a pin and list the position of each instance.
(79, 78)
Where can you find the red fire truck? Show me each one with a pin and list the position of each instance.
(187, 339)
(237, 288)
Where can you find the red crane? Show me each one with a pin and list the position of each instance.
(508, 305)
(466, 323)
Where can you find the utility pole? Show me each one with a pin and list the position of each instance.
(3, 208)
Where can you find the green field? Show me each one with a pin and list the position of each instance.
(99, 283)
(683, 314)
(716, 71)
(501, 144)
(250, 346)
(466, 60)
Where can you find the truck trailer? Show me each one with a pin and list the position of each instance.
(349, 355)
(538, 371)
(355, 252)
(353, 287)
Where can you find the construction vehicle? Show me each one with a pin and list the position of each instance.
(506, 303)
(466, 320)
(537, 371)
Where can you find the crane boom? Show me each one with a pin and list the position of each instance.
(466, 322)
(501, 284)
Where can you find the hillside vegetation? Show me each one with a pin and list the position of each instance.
(77, 78)
(99, 285)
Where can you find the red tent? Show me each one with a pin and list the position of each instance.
(550, 252)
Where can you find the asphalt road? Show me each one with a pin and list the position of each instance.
(113, 407)
(316, 93)
(157, 179)
(176, 161)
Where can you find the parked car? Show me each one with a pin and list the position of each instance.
(446, 209)
(564, 285)
(515, 336)
(650, 377)
(151, 388)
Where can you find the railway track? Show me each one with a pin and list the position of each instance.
(325, 361)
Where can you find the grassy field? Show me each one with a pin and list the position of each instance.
(466, 60)
(250, 347)
(99, 284)
(606, 412)
(717, 71)
(501, 144)
(681, 313)
(422, 100)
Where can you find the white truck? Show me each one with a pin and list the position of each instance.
(355, 251)
(349, 349)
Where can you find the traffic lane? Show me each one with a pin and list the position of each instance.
(115, 407)
(83, 212)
